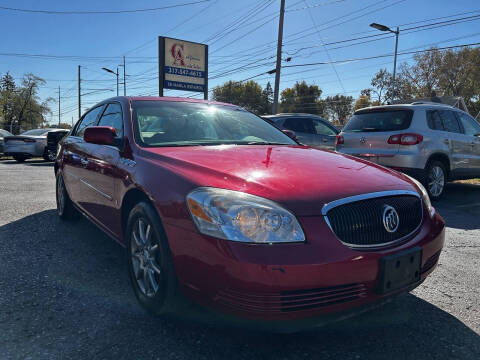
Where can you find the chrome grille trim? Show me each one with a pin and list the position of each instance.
(331, 205)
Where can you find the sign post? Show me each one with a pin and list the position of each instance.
(182, 65)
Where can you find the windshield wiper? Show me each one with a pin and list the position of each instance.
(263, 143)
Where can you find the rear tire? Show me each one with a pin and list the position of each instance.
(149, 261)
(19, 158)
(436, 179)
(65, 208)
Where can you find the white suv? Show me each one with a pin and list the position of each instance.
(432, 142)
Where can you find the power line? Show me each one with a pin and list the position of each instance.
(101, 12)
(380, 56)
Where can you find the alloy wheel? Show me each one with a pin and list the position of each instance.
(144, 255)
(436, 181)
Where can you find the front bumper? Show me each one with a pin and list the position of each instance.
(288, 282)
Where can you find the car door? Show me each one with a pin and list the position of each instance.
(303, 128)
(325, 135)
(471, 131)
(75, 151)
(102, 161)
(458, 143)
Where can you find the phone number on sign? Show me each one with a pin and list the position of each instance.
(184, 72)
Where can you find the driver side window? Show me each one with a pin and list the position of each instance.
(89, 119)
(470, 126)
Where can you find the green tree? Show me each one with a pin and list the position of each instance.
(21, 108)
(246, 94)
(267, 99)
(362, 102)
(339, 108)
(302, 98)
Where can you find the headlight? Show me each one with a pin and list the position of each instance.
(425, 197)
(238, 216)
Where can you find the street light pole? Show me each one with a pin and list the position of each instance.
(114, 73)
(396, 32)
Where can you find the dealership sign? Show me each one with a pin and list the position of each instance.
(183, 65)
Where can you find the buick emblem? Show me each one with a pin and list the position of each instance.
(363, 139)
(390, 219)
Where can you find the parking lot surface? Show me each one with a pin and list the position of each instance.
(64, 293)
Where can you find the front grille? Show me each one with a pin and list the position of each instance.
(290, 301)
(360, 223)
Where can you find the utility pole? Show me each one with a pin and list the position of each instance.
(58, 106)
(279, 57)
(124, 78)
(395, 64)
(79, 96)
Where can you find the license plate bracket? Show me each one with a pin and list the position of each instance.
(399, 270)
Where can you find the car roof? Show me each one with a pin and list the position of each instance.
(166, 98)
(419, 105)
(292, 114)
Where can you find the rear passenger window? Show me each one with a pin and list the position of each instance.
(434, 121)
(450, 122)
(112, 116)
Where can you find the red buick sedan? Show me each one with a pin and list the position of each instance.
(214, 204)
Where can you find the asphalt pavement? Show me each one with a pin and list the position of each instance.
(64, 293)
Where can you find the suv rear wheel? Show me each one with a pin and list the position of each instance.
(436, 179)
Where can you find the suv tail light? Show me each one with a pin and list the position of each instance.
(405, 139)
(339, 140)
(29, 140)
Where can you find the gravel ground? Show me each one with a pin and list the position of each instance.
(64, 293)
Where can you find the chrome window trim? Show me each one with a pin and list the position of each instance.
(329, 206)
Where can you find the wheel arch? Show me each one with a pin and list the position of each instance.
(443, 158)
(131, 198)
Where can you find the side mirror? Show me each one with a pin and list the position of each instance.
(291, 134)
(101, 135)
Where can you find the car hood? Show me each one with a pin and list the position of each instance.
(300, 178)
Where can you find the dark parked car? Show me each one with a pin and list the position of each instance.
(3, 133)
(214, 204)
(309, 129)
(53, 138)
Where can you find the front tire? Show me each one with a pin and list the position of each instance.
(149, 261)
(65, 208)
(436, 179)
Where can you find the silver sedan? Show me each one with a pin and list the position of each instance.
(31, 143)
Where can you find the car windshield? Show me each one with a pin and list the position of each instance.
(4, 133)
(379, 120)
(36, 132)
(163, 123)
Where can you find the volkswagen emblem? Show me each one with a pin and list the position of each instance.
(363, 139)
(390, 219)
